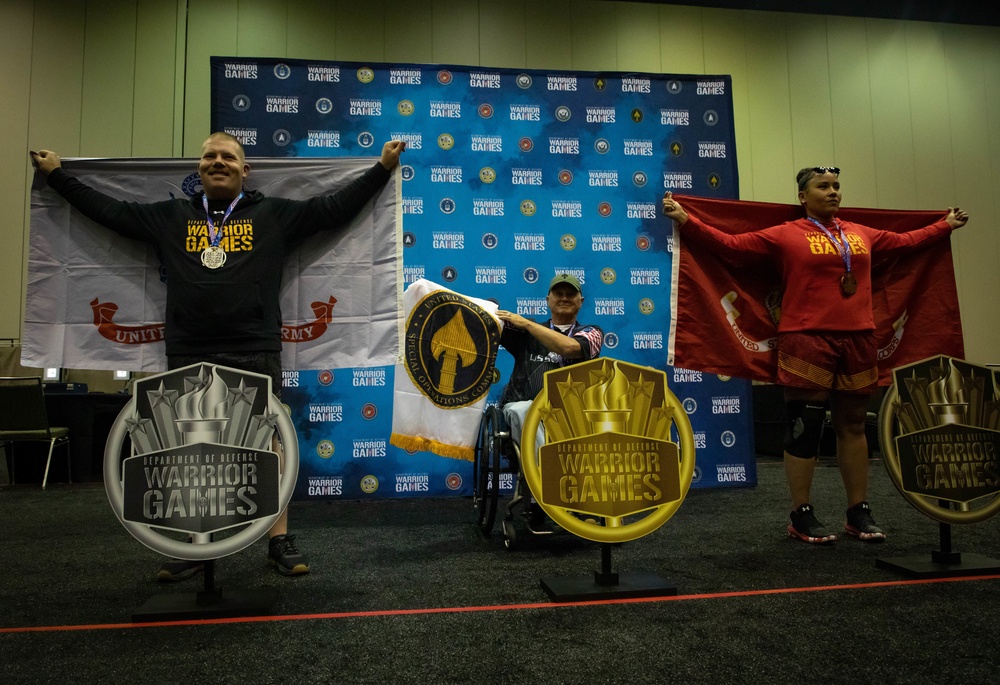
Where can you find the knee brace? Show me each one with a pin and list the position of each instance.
(805, 427)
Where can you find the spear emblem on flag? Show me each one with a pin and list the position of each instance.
(450, 343)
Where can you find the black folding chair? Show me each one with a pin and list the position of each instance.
(23, 418)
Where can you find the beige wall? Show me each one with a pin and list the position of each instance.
(909, 110)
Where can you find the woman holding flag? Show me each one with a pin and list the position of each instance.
(827, 353)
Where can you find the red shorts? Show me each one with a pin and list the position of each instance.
(838, 361)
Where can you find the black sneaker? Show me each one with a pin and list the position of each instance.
(538, 522)
(285, 556)
(807, 528)
(861, 524)
(178, 569)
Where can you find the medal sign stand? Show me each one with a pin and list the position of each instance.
(940, 436)
(215, 479)
(610, 470)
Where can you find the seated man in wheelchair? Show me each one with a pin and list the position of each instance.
(541, 347)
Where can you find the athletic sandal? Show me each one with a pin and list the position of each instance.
(861, 524)
(807, 528)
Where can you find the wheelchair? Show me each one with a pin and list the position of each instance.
(497, 460)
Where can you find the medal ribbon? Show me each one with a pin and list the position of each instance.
(572, 327)
(843, 247)
(215, 233)
(569, 333)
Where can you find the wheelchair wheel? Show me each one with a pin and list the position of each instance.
(509, 534)
(486, 471)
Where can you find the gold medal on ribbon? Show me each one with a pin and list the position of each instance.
(848, 284)
(213, 257)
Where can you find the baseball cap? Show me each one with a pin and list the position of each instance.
(566, 278)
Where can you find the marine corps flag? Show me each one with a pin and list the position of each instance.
(725, 311)
(450, 352)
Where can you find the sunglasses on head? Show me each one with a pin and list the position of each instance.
(827, 169)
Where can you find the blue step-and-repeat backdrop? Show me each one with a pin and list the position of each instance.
(510, 176)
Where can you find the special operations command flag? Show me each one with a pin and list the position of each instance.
(96, 300)
(449, 354)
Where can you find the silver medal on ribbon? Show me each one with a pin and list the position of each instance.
(213, 257)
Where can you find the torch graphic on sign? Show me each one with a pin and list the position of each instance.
(450, 344)
(203, 411)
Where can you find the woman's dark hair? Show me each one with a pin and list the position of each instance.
(802, 178)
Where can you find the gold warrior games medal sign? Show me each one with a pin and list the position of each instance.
(616, 464)
(201, 480)
(940, 435)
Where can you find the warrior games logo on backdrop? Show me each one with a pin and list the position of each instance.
(940, 430)
(202, 460)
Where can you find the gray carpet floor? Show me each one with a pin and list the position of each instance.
(410, 592)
